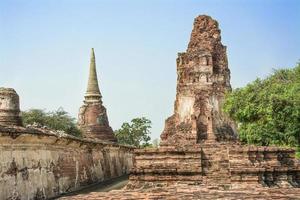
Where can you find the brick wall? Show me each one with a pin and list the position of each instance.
(38, 164)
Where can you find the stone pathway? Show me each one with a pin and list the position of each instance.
(191, 192)
(117, 184)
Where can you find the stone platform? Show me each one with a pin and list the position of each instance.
(216, 166)
(167, 164)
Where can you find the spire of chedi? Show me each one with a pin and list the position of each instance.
(92, 117)
(92, 92)
(203, 79)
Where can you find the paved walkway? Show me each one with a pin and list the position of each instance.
(116, 184)
(192, 192)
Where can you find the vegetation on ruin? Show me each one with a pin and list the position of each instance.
(135, 133)
(57, 120)
(268, 110)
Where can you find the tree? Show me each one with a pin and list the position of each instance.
(136, 133)
(268, 111)
(57, 120)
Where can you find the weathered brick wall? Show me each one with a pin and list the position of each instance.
(38, 164)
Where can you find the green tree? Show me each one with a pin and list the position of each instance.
(57, 120)
(268, 111)
(136, 133)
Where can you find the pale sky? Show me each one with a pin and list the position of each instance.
(45, 47)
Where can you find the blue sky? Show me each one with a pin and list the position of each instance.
(45, 47)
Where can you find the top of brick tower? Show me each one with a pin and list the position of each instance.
(93, 92)
(205, 34)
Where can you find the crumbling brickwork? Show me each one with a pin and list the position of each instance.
(203, 79)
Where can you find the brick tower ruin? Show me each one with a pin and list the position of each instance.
(203, 79)
(92, 117)
(199, 143)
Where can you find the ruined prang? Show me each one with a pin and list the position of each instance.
(199, 143)
(92, 117)
(203, 79)
(9, 107)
